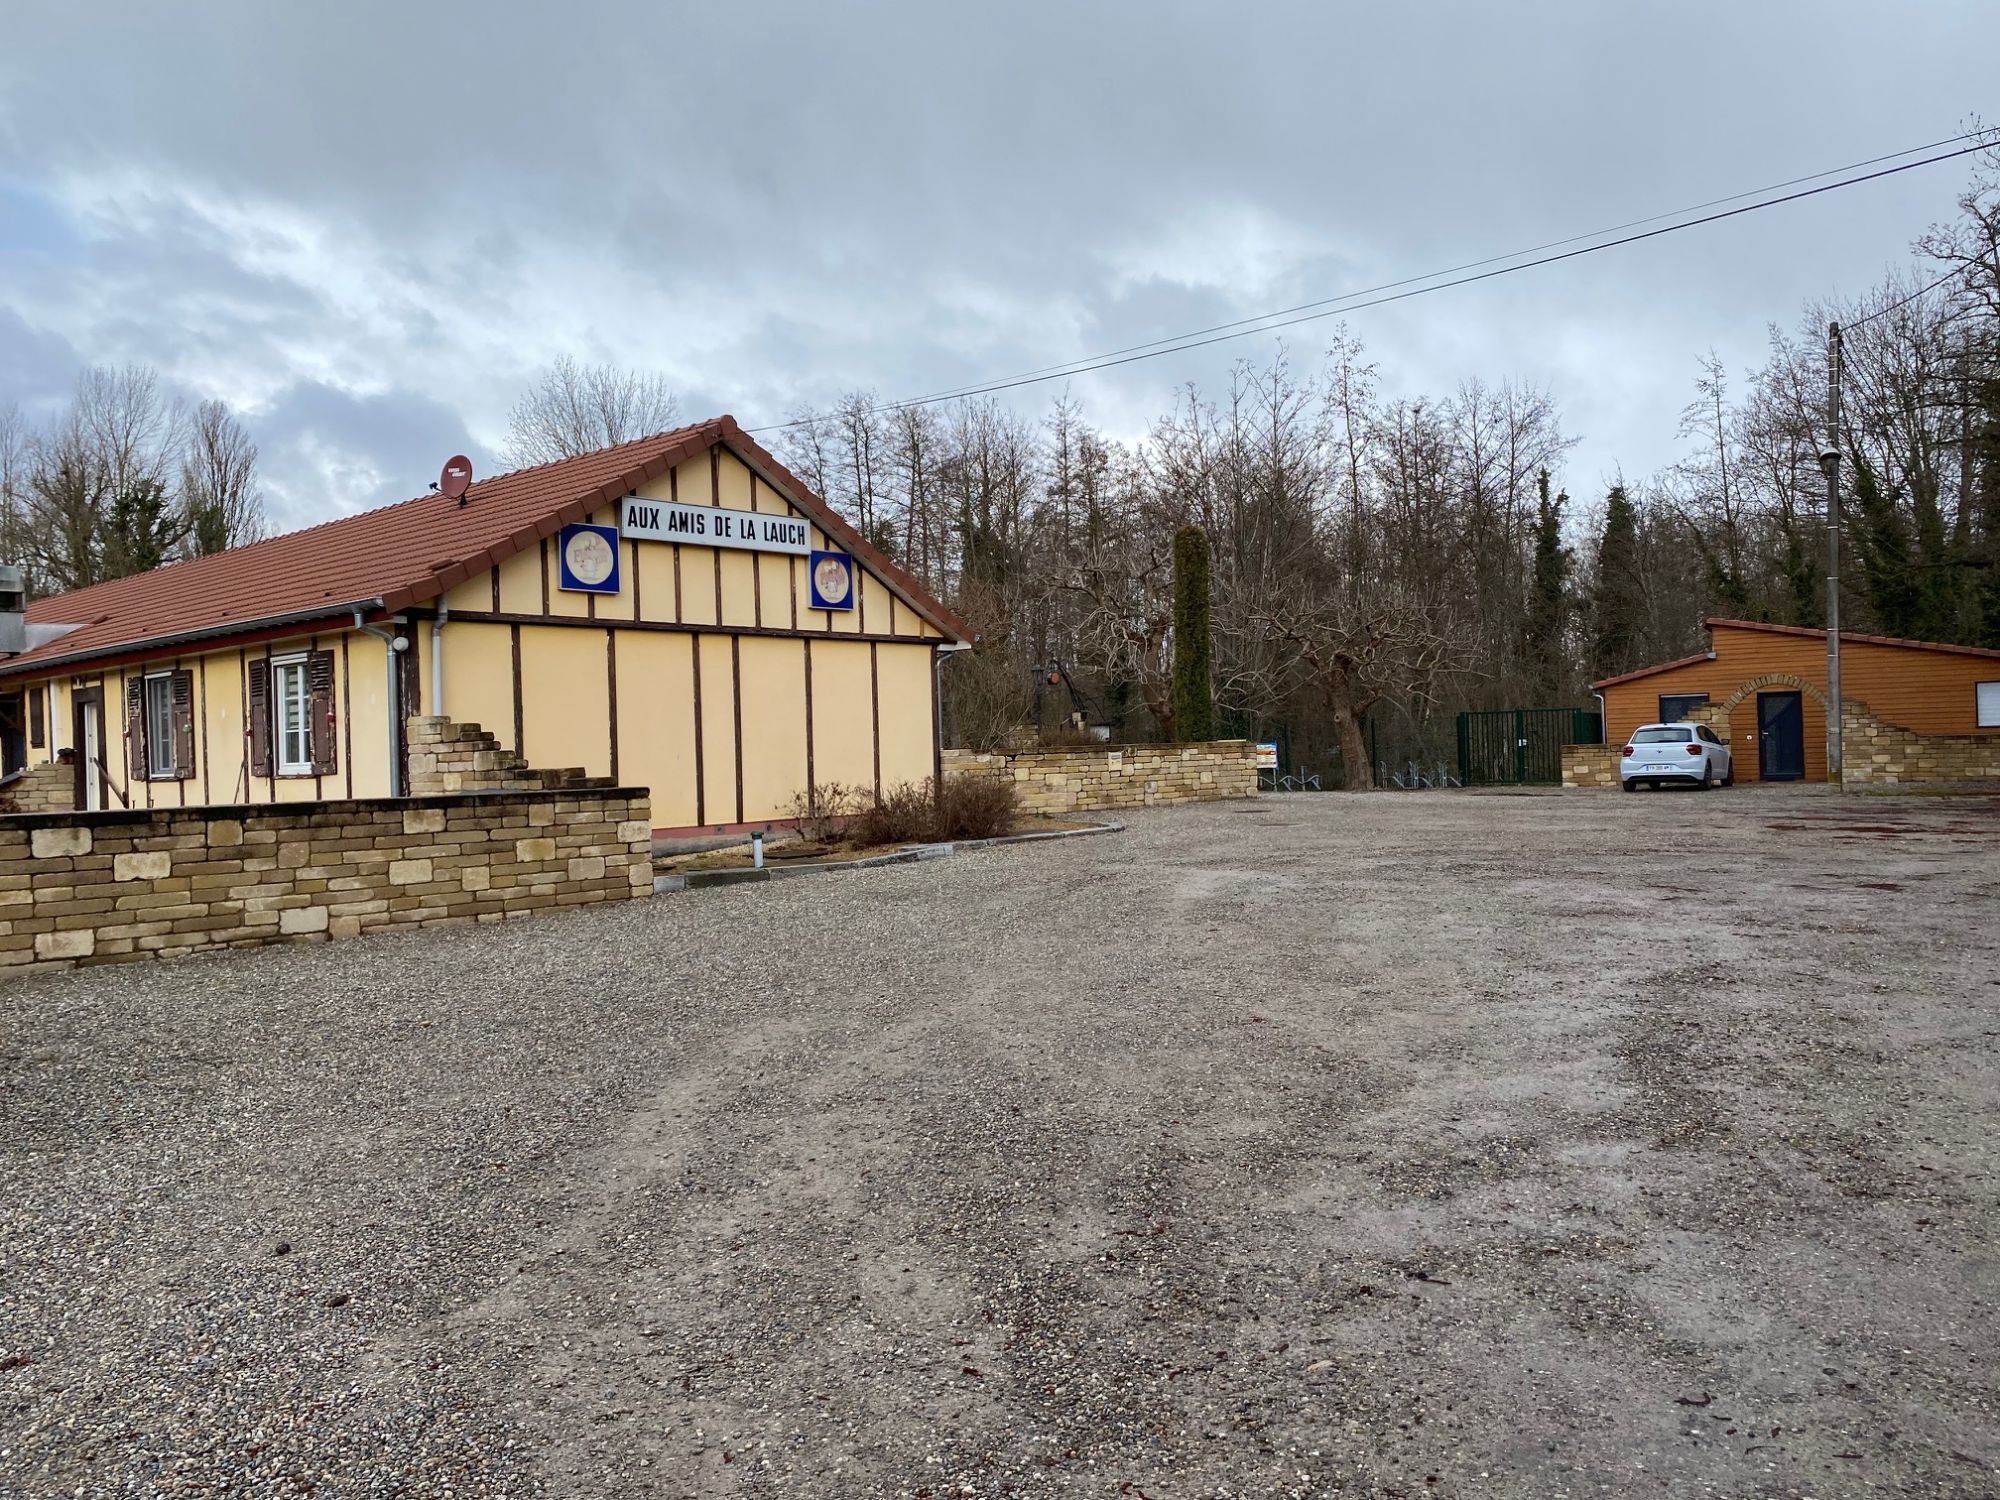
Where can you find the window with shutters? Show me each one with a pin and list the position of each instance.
(291, 713)
(160, 737)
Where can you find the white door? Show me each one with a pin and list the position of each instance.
(92, 751)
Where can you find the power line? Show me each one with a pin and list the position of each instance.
(1471, 265)
(1906, 301)
(1272, 322)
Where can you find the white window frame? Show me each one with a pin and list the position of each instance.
(1986, 705)
(161, 738)
(285, 670)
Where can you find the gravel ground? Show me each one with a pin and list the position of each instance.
(1430, 1145)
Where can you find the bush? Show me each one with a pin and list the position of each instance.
(973, 807)
(905, 814)
(823, 813)
(978, 807)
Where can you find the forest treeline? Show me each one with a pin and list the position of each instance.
(1383, 560)
(1378, 560)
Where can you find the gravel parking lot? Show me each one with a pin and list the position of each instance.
(1428, 1145)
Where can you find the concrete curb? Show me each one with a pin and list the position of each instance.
(696, 880)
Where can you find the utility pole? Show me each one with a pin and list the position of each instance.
(1829, 461)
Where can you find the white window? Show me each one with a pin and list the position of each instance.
(160, 736)
(291, 709)
(1989, 705)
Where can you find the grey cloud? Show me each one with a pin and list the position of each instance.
(776, 202)
(369, 450)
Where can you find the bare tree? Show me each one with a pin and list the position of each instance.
(574, 408)
(1352, 650)
(68, 495)
(219, 482)
(13, 483)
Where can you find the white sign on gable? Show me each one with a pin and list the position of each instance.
(713, 526)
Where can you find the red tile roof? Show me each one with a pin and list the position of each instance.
(1854, 636)
(406, 555)
(1851, 635)
(1665, 666)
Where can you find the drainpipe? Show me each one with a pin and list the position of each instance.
(950, 648)
(437, 655)
(396, 645)
(1603, 718)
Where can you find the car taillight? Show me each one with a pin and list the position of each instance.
(1694, 749)
(1627, 751)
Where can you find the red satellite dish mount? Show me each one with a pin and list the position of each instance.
(456, 477)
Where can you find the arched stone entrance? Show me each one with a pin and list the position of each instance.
(1768, 680)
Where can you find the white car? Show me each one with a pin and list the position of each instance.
(1688, 753)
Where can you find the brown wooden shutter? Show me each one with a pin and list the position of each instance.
(260, 717)
(325, 752)
(38, 716)
(135, 729)
(183, 724)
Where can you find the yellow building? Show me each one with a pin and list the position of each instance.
(678, 613)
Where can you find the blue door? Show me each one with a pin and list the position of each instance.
(1781, 737)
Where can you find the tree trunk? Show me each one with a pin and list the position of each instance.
(1360, 775)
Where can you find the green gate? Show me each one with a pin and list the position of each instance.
(1521, 746)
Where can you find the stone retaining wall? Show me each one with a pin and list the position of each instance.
(1874, 751)
(106, 887)
(1057, 782)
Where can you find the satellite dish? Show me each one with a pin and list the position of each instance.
(457, 476)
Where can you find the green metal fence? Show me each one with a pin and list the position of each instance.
(1521, 746)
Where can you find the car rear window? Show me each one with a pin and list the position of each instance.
(1661, 736)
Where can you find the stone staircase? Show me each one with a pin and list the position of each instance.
(449, 757)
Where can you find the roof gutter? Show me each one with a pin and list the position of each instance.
(160, 644)
(395, 644)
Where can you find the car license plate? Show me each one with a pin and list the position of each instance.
(1657, 766)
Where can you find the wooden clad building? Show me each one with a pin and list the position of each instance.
(1769, 681)
(678, 612)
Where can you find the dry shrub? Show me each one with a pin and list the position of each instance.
(973, 807)
(905, 814)
(823, 813)
(978, 807)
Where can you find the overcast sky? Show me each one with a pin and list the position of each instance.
(365, 225)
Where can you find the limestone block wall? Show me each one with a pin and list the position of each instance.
(46, 786)
(1057, 782)
(1874, 751)
(1590, 765)
(446, 756)
(106, 887)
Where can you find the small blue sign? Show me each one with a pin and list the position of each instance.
(588, 556)
(832, 575)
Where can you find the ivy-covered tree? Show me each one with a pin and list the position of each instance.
(1194, 693)
(1548, 599)
(1881, 538)
(1618, 605)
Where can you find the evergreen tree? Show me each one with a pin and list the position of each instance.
(1194, 698)
(143, 531)
(1618, 605)
(1548, 599)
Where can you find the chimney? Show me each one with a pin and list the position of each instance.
(13, 611)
